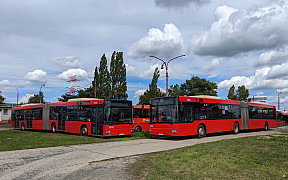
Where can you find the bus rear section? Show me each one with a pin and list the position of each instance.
(27, 117)
(198, 115)
(141, 117)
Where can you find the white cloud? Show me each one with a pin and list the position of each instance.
(214, 64)
(68, 61)
(166, 44)
(15, 83)
(129, 69)
(80, 74)
(260, 93)
(139, 92)
(37, 76)
(150, 72)
(272, 57)
(236, 32)
(25, 98)
(6, 83)
(179, 3)
(265, 78)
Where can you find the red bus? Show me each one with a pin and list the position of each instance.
(282, 117)
(95, 117)
(199, 115)
(141, 117)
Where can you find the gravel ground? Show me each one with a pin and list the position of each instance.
(106, 170)
(96, 161)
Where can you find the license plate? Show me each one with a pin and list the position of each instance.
(160, 134)
(121, 134)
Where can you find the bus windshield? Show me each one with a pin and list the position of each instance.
(118, 112)
(164, 110)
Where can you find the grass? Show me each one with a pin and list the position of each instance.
(260, 157)
(17, 140)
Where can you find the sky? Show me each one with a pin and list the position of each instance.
(44, 42)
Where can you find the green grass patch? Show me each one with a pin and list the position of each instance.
(17, 140)
(261, 157)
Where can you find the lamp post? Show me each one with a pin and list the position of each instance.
(278, 99)
(40, 92)
(17, 96)
(166, 67)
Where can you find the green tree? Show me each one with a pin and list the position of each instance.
(118, 76)
(231, 93)
(193, 87)
(66, 97)
(153, 90)
(174, 90)
(2, 99)
(108, 84)
(104, 79)
(241, 93)
(35, 99)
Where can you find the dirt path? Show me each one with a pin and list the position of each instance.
(95, 161)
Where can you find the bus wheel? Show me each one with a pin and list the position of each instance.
(22, 126)
(53, 128)
(236, 128)
(201, 131)
(84, 131)
(266, 127)
(138, 129)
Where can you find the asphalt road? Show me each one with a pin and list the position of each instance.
(96, 161)
(5, 127)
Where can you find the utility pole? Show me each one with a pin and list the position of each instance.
(166, 67)
(40, 93)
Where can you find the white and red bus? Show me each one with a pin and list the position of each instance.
(95, 117)
(199, 115)
(141, 117)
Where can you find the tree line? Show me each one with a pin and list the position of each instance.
(109, 82)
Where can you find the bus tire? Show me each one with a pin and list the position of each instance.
(53, 128)
(236, 128)
(266, 127)
(138, 129)
(22, 126)
(201, 131)
(84, 130)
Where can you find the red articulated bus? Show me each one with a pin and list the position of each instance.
(282, 117)
(199, 115)
(141, 117)
(95, 117)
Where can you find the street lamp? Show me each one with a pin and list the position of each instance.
(40, 92)
(166, 67)
(17, 96)
(278, 99)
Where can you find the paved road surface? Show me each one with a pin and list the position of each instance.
(5, 127)
(97, 161)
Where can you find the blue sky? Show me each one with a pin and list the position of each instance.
(227, 42)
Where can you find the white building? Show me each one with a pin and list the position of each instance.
(259, 99)
(5, 112)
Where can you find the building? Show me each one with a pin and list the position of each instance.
(259, 99)
(5, 112)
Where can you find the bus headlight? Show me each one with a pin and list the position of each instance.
(108, 131)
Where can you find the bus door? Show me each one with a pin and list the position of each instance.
(62, 119)
(97, 121)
